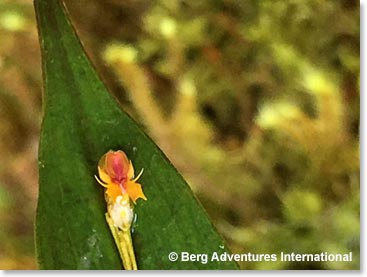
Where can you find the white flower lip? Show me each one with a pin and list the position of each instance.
(122, 213)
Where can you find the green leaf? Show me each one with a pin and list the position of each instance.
(81, 122)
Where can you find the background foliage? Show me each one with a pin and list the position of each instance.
(255, 102)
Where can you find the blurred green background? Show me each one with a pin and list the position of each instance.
(255, 102)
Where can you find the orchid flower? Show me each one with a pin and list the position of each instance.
(116, 174)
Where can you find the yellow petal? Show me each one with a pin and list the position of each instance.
(113, 191)
(130, 173)
(134, 191)
(103, 175)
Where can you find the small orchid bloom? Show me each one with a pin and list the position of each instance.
(116, 173)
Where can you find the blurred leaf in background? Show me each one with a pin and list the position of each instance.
(255, 102)
(20, 111)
